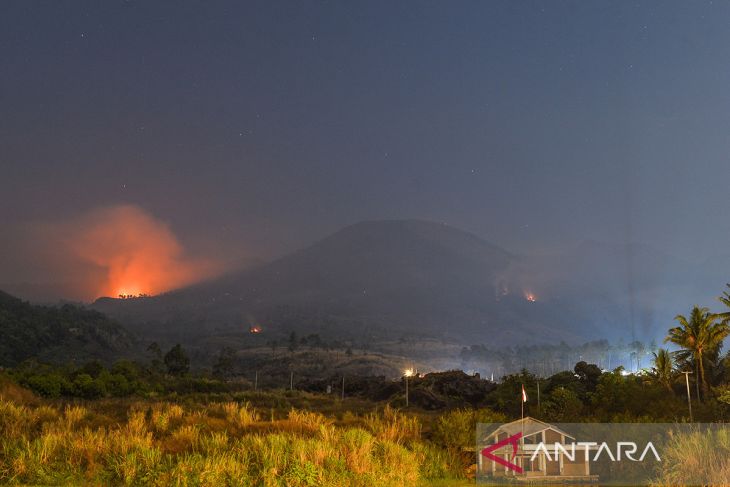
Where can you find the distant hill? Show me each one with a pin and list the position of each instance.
(56, 334)
(372, 279)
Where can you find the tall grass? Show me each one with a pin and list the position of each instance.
(699, 458)
(393, 426)
(241, 415)
(223, 444)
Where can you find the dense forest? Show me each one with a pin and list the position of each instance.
(66, 333)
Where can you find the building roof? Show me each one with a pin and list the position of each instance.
(530, 427)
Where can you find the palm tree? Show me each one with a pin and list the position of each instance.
(698, 336)
(725, 299)
(663, 370)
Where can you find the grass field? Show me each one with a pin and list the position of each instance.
(196, 441)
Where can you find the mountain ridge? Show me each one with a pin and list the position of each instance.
(386, 276)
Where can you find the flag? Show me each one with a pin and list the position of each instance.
(524, 394)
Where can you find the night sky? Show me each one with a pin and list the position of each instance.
(254, 128)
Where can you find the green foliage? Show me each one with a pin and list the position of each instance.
(115, 384)
(663, 372)
(588, 374)
(566, 380)
(725, 299)
(177, 361)
(47, 385)
(223, 368)
(155, 353)
(92, 368)
(508, 395)
(723, 394)
(700, 337)
(438, 463)
(55, 333)
(563, 405)
(87, 387)
(629, 396)
(456, 429)
(123, 379)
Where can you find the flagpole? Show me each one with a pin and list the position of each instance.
(522, 423)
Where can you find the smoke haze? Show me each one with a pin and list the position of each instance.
(111, 251)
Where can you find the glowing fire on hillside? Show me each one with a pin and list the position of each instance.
(129, 252)
(131, 293)
(530, 297)
(255, 329)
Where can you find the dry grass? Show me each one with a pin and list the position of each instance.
(222, 444)
(394, 426)
(241, 415)
(699, 458)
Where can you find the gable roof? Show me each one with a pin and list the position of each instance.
(530, 427)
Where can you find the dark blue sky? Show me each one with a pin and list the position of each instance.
(257, 127)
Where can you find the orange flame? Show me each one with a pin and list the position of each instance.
(138, 254)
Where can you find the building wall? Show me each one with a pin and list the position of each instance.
(552, 466)
(577, 467)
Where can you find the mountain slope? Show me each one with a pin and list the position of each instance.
(372, 279)
(56, 333)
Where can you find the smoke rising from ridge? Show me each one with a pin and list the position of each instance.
(127, 251)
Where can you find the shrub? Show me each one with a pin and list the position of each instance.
(45, 385)
(457, 428)
(563, 405)
(87, 387)
(177, 361)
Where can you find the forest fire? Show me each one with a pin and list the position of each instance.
(530, 297)
(255, 329)
(137, 254)
(131, 292)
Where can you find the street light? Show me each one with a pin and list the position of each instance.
(406, 374)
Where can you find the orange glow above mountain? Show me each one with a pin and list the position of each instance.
(530, 297)
(138, 254)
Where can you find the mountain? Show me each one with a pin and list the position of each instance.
(373, 279)
(60, 334)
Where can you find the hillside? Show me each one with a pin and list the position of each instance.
(372, 280)
(62, 334)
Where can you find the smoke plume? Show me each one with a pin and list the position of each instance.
(128, 251)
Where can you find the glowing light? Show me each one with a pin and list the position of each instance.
(409, 372)
(530, 297)
(132, 252)
(129, 292)
(254, 329)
